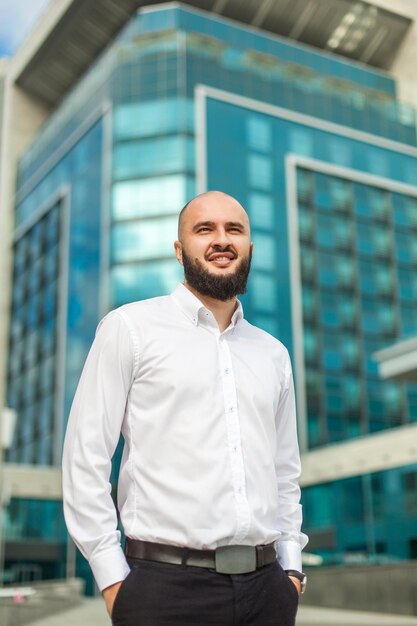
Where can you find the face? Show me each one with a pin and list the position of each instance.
(214, 246)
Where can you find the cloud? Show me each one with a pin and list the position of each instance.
(17, 17)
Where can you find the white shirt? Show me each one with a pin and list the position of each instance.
(208, 418)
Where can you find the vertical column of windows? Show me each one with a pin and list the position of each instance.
(153, 171)
(330, 312)
(380, 301)
(31, 375)
(358, 261)
(311, 307)
(259, 158)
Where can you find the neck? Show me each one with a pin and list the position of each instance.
(221, 309)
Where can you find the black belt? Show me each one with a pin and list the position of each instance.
(225, 560)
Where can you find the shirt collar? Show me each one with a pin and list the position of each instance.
(191, 305)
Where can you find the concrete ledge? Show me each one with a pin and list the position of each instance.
(32, 481)
(392, 448)
(313, 616)
(398, 361)
(383, 588)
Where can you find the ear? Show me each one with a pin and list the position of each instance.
(251, 247)
(178, 251)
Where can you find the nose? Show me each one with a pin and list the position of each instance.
(221, 238)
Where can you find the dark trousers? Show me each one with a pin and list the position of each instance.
(160, 594)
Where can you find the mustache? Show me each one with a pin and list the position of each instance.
(219, 250)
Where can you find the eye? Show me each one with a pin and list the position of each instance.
(203, 229)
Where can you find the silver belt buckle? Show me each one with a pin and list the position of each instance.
(235, 559)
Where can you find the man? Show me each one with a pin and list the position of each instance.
(208, 488)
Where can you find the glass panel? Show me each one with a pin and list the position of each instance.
(259, 135)
(144, 240)
(156, 117)
(267, 323)
(261, 209)
(306, 221)
(144, 280)
(304, 185)
(260, 172)
(264, 292)
(301, 142)
(264, 252)
(148, 197)
(157, 156)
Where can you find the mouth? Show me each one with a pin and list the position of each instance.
(222, 259)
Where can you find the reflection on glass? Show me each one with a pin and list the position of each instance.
(260, 172)
(261, 210)
(162, 155)
(148, 197)
(259, 135)
(264, 292)
(264, 251)
(155, 117)
(132, 282)
(133, 241)
(267, 323)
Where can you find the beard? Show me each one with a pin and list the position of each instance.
(221, 287)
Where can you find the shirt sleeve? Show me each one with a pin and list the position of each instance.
(92, 435)
(288, 469)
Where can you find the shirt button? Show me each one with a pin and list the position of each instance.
(226, 371)
(231, 409)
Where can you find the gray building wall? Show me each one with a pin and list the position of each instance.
(383, 588)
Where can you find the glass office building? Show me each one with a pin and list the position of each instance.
(324, 158)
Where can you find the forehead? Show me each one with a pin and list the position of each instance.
(217, 209)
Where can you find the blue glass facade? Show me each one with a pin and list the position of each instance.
(324, 159)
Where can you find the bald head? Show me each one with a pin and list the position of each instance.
(215, 201)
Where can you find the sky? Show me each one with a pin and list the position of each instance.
(17, 17)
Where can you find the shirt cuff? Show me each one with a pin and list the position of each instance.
(109, 567)
(289, 555)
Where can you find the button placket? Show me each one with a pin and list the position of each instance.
(234, 441)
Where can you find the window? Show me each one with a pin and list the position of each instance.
(305, 221)
(310, 302)
(318, 504)
(304, 185)
(258, 131)
(267, 323)
(261, 209)
(144, 280)
(301, 142)
(340, 192)
(310, 344)
(148, 239)
(353, 502)
(149, 197)
(161, 155)
(404, 252)
(264, 292)
(350, 351)
(410, 489)
(264, 252)
(308, 263)
(260, 172)
(142, 119)
(33, 334)
(379, 202)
